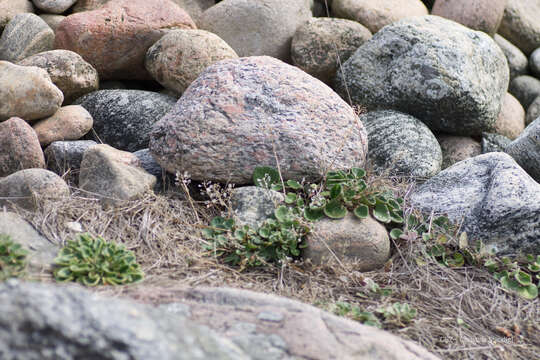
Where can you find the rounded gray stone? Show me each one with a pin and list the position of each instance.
(517, 61)
(494, 199)
(63, 156)
(400, 144)
(533, 112)
(450, 77)
(526, 149)
(520, 24)
(494, 143)
(124, 118)
(10, 8)
(525, 88)
(26, 34)
(252, 205)
(248, 112)
(320, 42)
(52, 20)
(534, 62)
(54, 6)
(263, 27)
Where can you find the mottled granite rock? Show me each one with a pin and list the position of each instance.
(520, 24)
(457, 148)
(517, 61)
(54, 6)
(362, 241)
(252, 205)
(180, 56)
(452, 78)
(400, 144)
(26, 34)
(482, 15)
(493, 197)
(10, 8)
(70, 122)
(19, 147)
(244, 113)
(68, 71)
(24, 187)
(124, 118)
(64, 156)
(511, 119)
(533, 112)
(526, 149)
(320, 42)
(254, 28)
(494, 142)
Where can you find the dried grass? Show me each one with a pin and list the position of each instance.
(163, 232)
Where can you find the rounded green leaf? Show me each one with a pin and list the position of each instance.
(381, 213)
(358, 172)
(334, 209)
(291, 198)
(281, 213)
(361, 211)
(529, 292)
(313, 214)
(396, 233)
(336, 191)
(265, 176)
(523, 278)
(293, 184)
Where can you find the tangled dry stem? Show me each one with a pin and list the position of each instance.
(163, 231)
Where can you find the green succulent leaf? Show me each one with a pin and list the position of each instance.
(361, 211)
(291, 198)
(529, 292)
(523, 278)
(281, 213)
(265, 176)
(381, 213)
(335, 210)
(396, 233)
(313, 214)
(293, 184)
(336, 191)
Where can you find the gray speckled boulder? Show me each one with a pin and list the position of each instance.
(68, 71)
(494, 142)
(252, 28)
(317, 45)
(63, 156)
(517, 61)
(520, 24)
(534, 62)
(68, 322)
(124, 118)
(245, 112)
(525, 88)
(54, 6)
(495, 198)
(26, 34)
(526, 149)
(533, 112)
(252, 205)
(452, 78)
(151, 166)
(23, 187)
(401, 144)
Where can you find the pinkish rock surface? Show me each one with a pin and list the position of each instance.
(483, 15)
(114, 38)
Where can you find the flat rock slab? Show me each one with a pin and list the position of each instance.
(71, 323)
(271, 327)
(450, 77)
(497, 201)
(248, 112)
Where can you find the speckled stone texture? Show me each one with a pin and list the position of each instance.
(520, 24)
(375, 14)
(68, 71)
(457, 148)
(124, 118)
(180, 56)
(252, 111)
(482, 15)
(362, 241)
(452, 78)
(63, 156)
(534, 62)
(151, 166)
(195, 8)
(494, 142)
(25, 35)
(70, 122)
(78, 324)
(252, 205)
(54, 6)
(526, 149)
(19, 147)
(533, 112)
(52, 20)
(511, 119)
(317, 45)
(400, 144)
(10, 8)
(114, 38)
(27, 92)
(495, 198)
(26, 187)
(517, 61)
(525, 88)
(253, 28)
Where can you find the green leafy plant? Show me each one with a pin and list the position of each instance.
(13, 258)
(275, 240)
(398, 313)
(93, 261)
(353, 312)
(519, 277)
